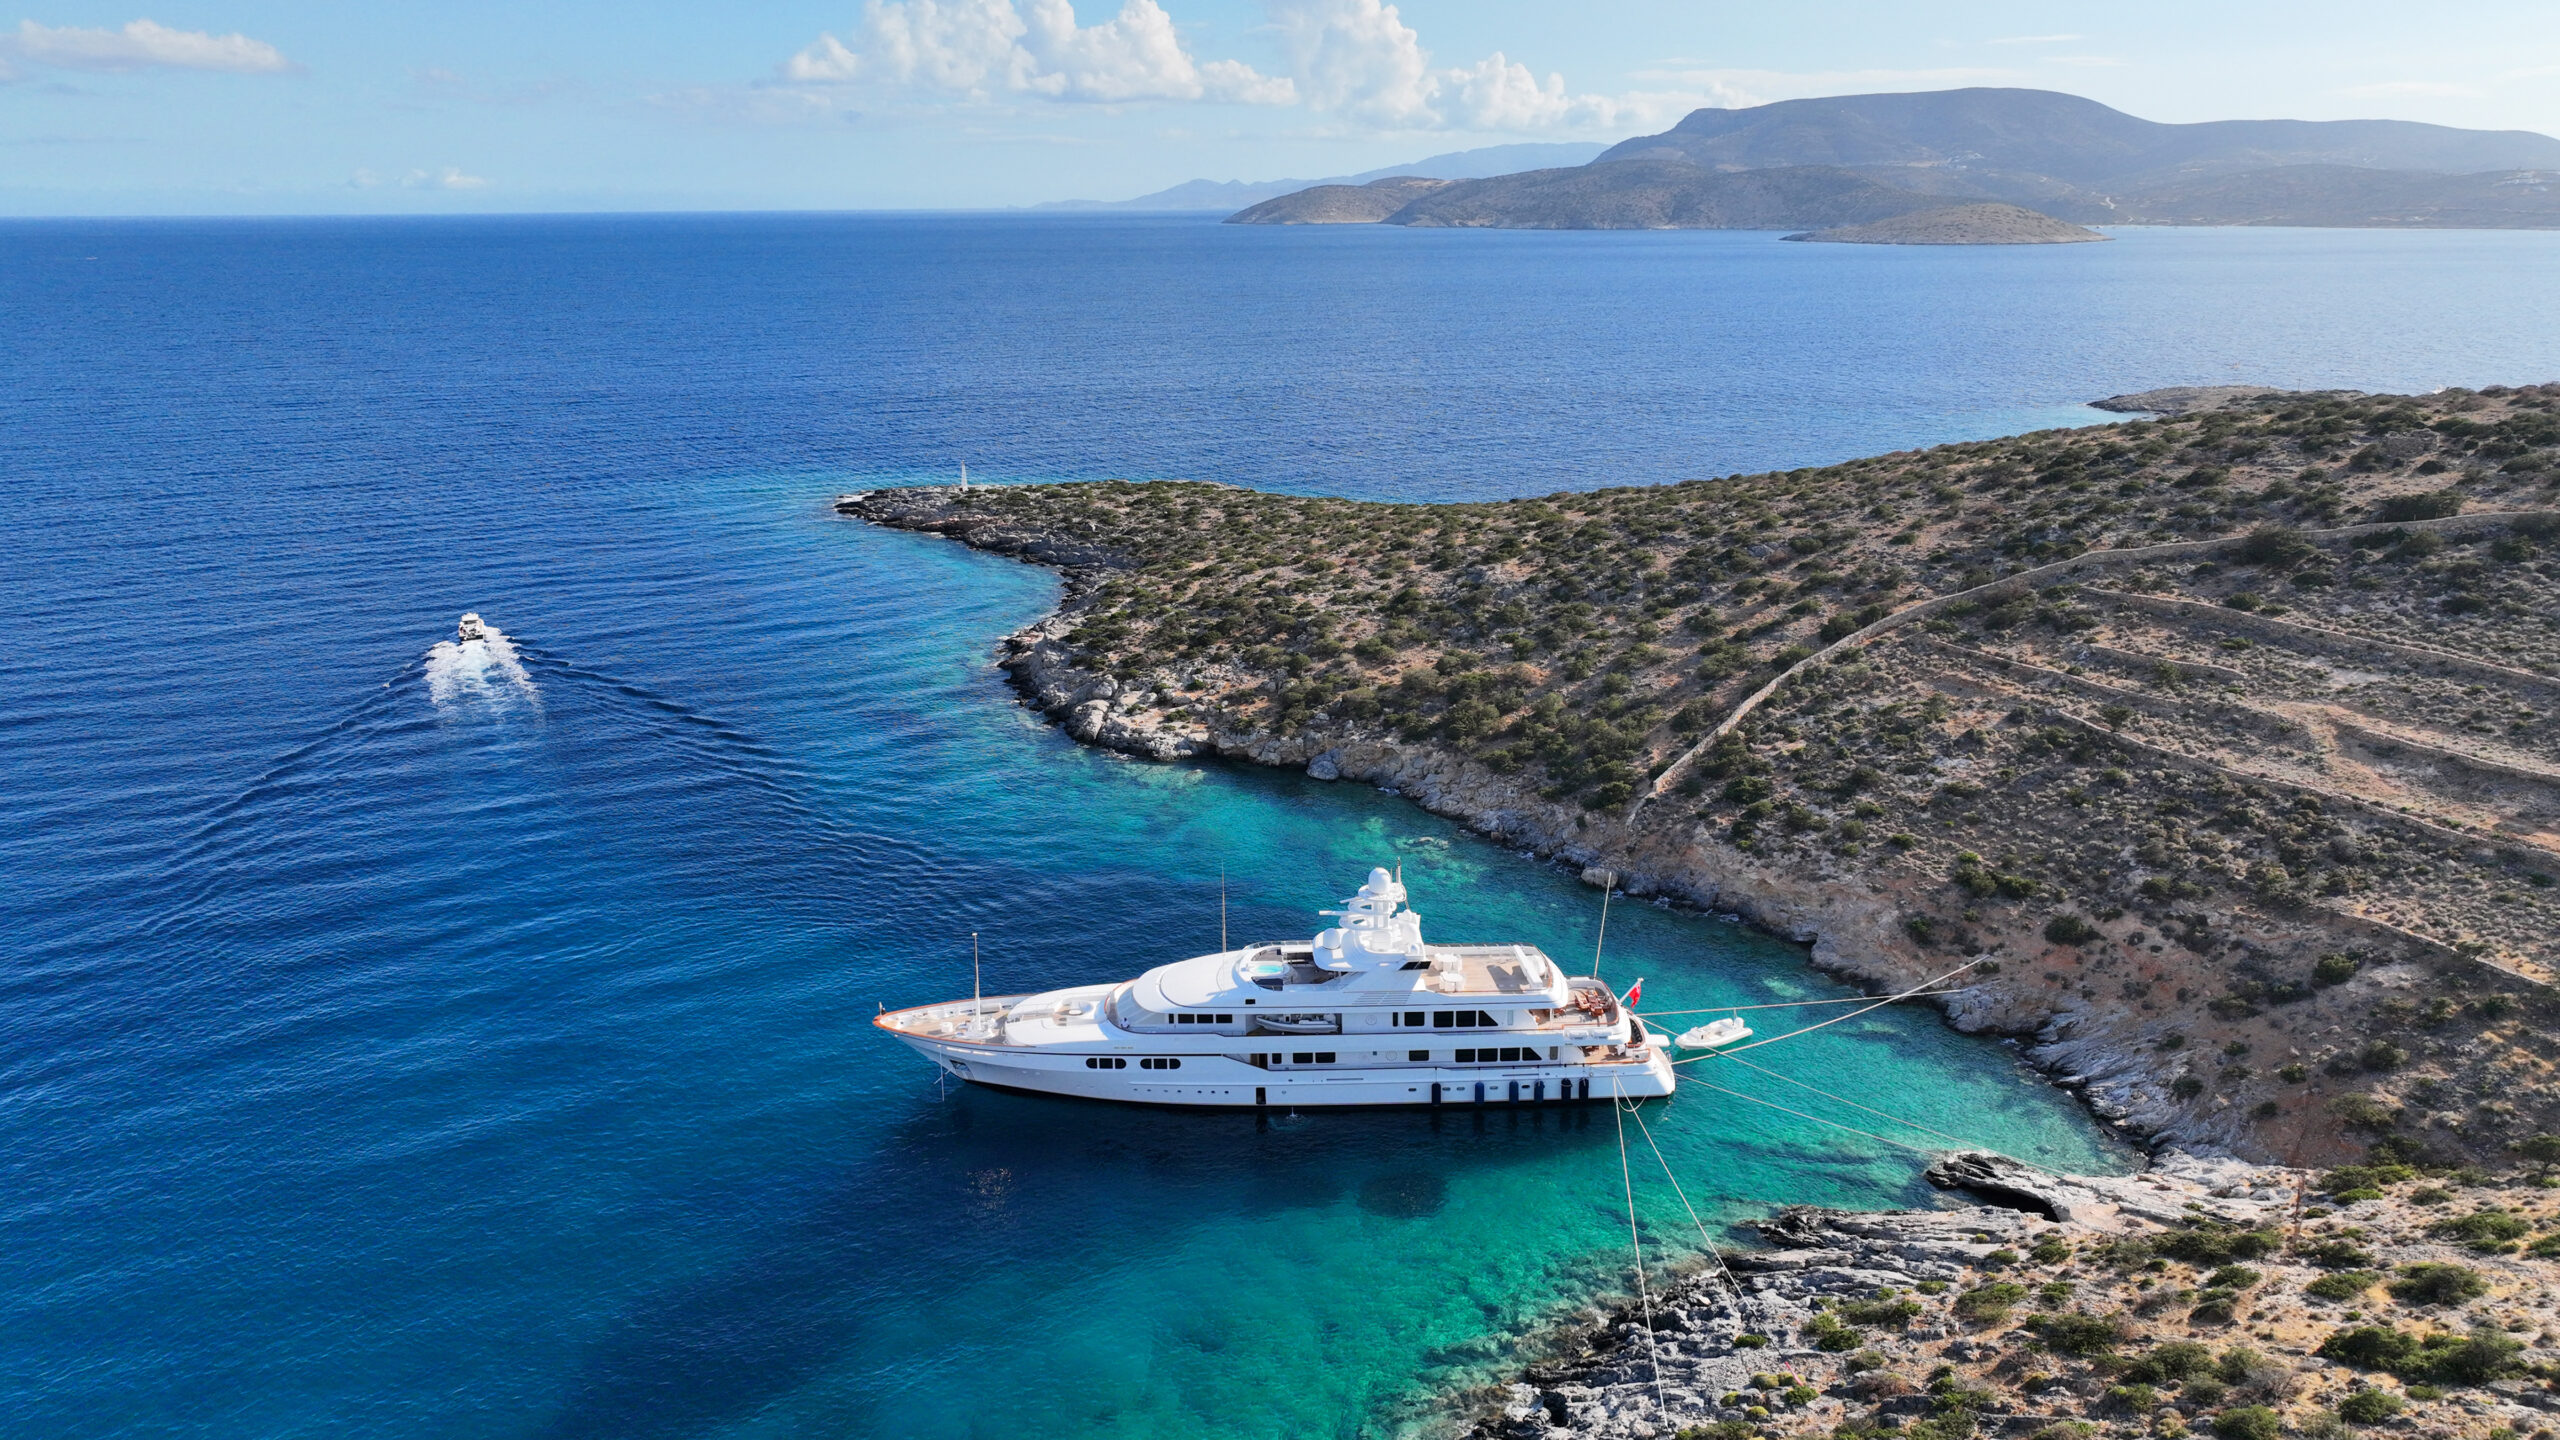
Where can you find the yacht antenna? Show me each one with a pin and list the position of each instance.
(977, 985)
(1609, 885)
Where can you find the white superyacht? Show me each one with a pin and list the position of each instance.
(1364, 1014)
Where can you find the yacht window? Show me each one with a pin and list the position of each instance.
(1416, 965)
(1511, 1052)
(1466, 1057)
(1443, 1019)
(1417, 1054)
(1324, 1057)
(1224, 1019)
(1181, 1019)
(1302, 1058)
(1413, 1018)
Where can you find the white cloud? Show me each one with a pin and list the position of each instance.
(989, 47)
(800, 105)
(448, 178)
(140, 45)
(1358, 59)
(2035, 40)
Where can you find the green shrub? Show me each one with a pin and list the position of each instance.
(2343, 1285)
(1879, 1311)
(1749, 1341)
(2170, 1362)
(2276, 546)
(2333, 969)
(2247, 1422)
(2444, 1358)
(2364, 1177)
(1984, 1304)
(2069, 929)
(2217, 1243)
(2435, 1283)
(2132, 1398)
(2236, 1277)
(2369, 1407)
(2050, 1250)
(2491, 1232)
(2082, 1335)
(2432, 505)
(1828, 1334)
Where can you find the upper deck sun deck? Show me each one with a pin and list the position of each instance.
(1494, 970)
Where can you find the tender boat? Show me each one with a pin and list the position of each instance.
(1366, 1013)
(470, 629)
(1715, 1035)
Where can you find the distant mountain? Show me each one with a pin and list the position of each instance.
(2065, 137)
(1456, 165)
(2058, 155)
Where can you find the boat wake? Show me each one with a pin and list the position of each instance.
(478, 669)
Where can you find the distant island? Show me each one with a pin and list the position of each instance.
(1861, 160)
(2229, 739)
(1988, 223)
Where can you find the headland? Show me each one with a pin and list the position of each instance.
(2226, 742)
(2229, 741)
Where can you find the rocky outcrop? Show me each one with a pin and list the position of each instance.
(2003, 1321)
(1716, 1335)
(2180, 399)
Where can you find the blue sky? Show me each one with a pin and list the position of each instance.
(252, 106)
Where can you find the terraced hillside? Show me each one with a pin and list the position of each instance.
(2226, 740)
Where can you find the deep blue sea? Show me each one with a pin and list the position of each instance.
(393, 1050)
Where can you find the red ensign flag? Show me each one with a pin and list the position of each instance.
(1635, 991)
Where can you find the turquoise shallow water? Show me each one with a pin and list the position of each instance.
(392, 1051)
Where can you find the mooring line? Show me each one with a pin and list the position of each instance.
(1783, 1005)
(1703, 1237)
(1852, 1104)
(1837, 1019)
(1644, 1299)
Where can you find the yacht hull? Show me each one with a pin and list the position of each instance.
(1223, 1082)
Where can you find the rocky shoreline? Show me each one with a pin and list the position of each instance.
(2152, 1304)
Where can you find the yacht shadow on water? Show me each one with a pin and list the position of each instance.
(846, 1273)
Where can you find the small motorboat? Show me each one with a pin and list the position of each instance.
(470, 629)
(1715, 1035)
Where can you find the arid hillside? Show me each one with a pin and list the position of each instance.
(2228, 741)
